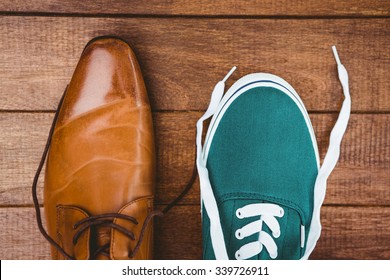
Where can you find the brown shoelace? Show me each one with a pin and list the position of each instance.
(102, 220)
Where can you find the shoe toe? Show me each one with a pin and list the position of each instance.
(107, 71)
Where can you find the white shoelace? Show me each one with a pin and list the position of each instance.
(208, 198)
(268, 213)
(207, 195)
(331, 157)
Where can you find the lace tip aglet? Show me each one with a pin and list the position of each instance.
(336, 55)
(230, 73)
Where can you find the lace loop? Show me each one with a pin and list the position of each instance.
(103, 223)
(97, 220)
(105, 216)
(35, 184)
(101, 220)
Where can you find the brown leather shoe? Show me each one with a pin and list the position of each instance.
(98, 192)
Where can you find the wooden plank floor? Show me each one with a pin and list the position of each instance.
(185, 47)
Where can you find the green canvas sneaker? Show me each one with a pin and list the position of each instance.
(262, 185)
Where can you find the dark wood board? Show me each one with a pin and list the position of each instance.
(360, 178)
(348, 233)
(184, 48)
(181, 65)
(311, 8)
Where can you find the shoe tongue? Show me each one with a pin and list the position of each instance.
(101, 236)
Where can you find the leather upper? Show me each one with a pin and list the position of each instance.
(102, 156)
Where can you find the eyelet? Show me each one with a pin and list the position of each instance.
(239, 214)
(238, 234)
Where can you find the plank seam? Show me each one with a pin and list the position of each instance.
(12, 111)
(195, 16)
(188, 204)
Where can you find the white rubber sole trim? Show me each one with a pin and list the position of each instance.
(252, 81)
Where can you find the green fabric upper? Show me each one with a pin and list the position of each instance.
(262, 152)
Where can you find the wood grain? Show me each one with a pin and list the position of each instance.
(361, 177)
(348, 232)
(184, 47)
(181, 65)
(203, 7)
